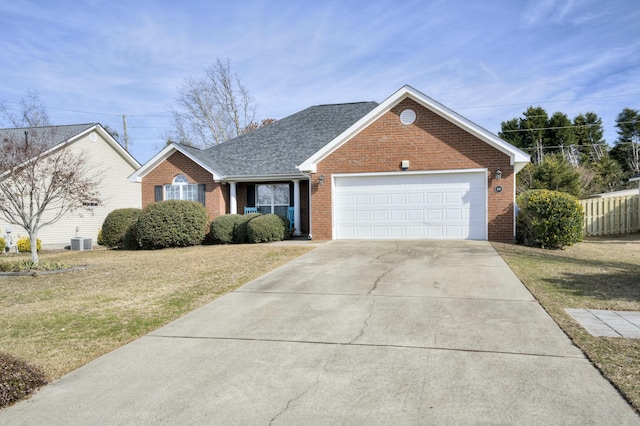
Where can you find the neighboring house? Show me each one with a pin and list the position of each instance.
(106, 156)
(620, 193)
(408, 168)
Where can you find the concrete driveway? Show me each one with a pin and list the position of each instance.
(351, 333)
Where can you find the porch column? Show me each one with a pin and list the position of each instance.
(233, 207)
(296, 206)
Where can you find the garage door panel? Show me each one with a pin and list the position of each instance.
(362, 200)
(438, 206)
(416, 214)
(380, 215)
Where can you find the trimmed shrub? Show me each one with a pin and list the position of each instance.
(172, 223)
(18, 379)
(100, 239)
(266, 228)
(549, 219)
(24, 245)
(3, 245)
(240, 235)
(221, 229)
(117, 224)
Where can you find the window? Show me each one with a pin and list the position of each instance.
(181, 189)
(272, 199)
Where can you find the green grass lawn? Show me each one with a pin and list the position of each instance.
(599, 273)
(60, 322)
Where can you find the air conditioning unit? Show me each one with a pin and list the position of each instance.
(81, 244)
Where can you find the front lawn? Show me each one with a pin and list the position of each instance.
(599, 273)
(60, 322)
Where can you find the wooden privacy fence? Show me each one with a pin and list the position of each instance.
(611, 215)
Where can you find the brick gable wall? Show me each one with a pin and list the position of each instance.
(216, 196)
(431, 143)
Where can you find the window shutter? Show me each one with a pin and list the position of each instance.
(291, 194)
(251, 195)
(201, 191)
(158, 193)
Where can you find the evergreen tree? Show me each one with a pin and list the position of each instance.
(627, 148)
(589, 134)
(557, 174)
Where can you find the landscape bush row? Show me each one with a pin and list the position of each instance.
(24, 244)
(176, 223)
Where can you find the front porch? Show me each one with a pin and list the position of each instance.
(285, 198)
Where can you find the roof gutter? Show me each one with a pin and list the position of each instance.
(263, 178)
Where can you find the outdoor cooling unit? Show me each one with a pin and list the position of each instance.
(81, 244)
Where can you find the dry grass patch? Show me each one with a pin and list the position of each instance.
(60, 322)
(599, 273)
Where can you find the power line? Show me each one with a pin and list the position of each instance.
(547, 102)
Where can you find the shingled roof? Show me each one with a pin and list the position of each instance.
(278, 148)
(54, 135)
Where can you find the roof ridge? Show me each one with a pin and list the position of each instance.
(348, 103)
(49, 126)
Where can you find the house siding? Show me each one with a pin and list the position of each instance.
(216, 193)
(115, 192)
(431, 143)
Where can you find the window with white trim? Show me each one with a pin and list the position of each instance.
(273, 199)
(181, 189)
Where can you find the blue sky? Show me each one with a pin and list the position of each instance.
(92, 61)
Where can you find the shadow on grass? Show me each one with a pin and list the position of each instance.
(618, 285)
(602, 279)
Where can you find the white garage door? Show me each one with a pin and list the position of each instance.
(411, 206)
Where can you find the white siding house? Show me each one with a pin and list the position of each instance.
(114, 164)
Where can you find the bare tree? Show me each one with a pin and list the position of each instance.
(41, 182)
(255, 126)
(31, 112)
(213, 109)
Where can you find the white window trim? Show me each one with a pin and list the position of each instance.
(272, 205)
(182, 183)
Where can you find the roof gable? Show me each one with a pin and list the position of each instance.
(58, 137)
(194, 154)
(518, 158)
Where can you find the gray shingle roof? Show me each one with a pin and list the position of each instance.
(277, 148)
(51, 135)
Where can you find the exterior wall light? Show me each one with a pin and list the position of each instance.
(321, 180)
(498, 174)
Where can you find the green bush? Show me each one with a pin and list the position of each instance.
(172, 223)
(24, 245)
(240, 235)
(100, 239)
(266, 228)
(116, 225)
(549, 219)
(18, 379)
(3, 245)
(221, 229)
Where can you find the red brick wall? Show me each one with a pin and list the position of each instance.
(431, 143)
(217, 194)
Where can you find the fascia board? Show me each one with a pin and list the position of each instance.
(264, 178)
(516, 156)
(117, 147)
(163, 155)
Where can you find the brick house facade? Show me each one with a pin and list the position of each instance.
(311, 151)
(431, 143)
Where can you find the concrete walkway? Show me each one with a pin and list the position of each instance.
(352, 333)
(602, 323)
